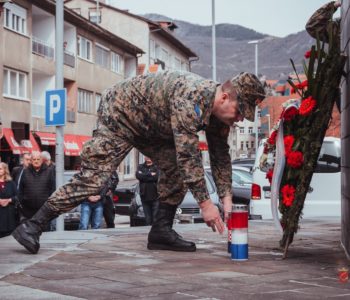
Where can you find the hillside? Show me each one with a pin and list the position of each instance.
(234, 54)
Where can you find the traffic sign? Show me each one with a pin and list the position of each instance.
(55, 107)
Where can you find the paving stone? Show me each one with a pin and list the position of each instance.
(115, 264)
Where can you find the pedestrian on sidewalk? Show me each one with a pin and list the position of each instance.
(160, 114)
(38, 182)
(91, 212)
(108, 204)
(147, 173)
(17, 172)
(7, 201)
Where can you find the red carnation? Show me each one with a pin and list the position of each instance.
(288, 143)
(266, 149)
(302, 85)
(269, 175)
(295, 159)
(290, 113)
(288, 194)
(272, 138)
(307, 54)
(307, 106)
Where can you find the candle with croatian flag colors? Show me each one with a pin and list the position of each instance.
(239, 233)
(229, 232)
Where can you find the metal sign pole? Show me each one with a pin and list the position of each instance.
(59, 85)
(213, 32)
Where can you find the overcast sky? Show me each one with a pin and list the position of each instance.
(274, 17)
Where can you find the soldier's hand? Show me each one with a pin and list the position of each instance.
(337, 4)
(94, 198)
(227, 203)
(211, 216)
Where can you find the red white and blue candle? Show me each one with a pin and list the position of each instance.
(239, 233)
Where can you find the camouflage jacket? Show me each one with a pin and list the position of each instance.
(171, 108)
(318, 24)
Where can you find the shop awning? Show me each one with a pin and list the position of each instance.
(26, 146)
(46, 138)
(73, 144)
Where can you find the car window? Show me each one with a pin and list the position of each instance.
(210, 185)
(240, 176)
(329, 158)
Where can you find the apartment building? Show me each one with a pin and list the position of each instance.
(94, 59)
(163, 51)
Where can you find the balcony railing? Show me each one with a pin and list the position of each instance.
(69, 58)
(41, 48)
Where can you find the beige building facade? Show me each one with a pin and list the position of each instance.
(163, 51)
(27, 60)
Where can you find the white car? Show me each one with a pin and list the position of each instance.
(324, 196)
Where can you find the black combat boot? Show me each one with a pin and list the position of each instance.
(162, 236)
(28, 233)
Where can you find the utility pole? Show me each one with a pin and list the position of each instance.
(256, 121)
(213, 34)
(59, 85)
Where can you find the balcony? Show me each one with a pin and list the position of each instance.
(69, 58)
(41, 48)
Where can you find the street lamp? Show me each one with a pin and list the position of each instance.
(213, 36)
(256, 122)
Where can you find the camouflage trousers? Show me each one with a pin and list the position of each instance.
(103, 154)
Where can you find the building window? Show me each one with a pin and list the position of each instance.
(129, 165)
(97, 101)
(252, 144)
(250, 130)
(259, 130)
(241, 130)
(95, 16)
(242, 145)
(157, 51)
(152, 50)
(101, 56)
(84, 101)
(259, 113)
(184, 66)
(247, 144)
(116, 62)
(15, 18)
(84, 48)
(14, 84)
(177, 64)
(165, 57)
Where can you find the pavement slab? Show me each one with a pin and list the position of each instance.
(115, 264)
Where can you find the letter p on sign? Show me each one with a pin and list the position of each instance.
(55, 107)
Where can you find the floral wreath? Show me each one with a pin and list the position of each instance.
(293, 146)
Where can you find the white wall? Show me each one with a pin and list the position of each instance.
(41, 83)
(43, 26)
(70, 36)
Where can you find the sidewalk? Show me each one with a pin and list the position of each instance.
(114, 264)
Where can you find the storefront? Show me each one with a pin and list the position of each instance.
(73, 145)
(11, 149)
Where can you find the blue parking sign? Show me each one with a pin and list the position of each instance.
(55, 107)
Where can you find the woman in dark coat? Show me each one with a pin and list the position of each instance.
(7, 201)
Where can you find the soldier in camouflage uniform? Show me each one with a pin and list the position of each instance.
(160, 115)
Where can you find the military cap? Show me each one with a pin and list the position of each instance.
(249, 89)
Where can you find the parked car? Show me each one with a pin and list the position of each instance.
(188, 209)
(123, 196)
(71, 218)
(241, 184)
(324, 196)
(244, 162)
